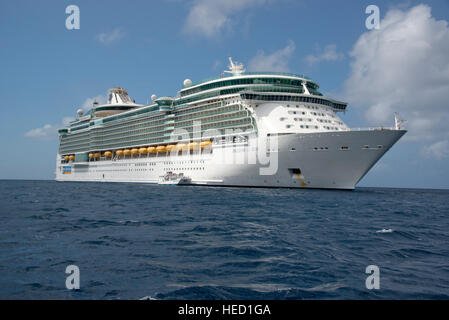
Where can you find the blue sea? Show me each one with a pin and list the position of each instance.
(135, 241)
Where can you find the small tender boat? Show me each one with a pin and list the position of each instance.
(174, 178)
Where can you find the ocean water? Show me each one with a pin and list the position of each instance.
(133, 241)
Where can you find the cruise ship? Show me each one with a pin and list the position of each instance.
(252, 129)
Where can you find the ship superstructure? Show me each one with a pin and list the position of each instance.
(265, 129)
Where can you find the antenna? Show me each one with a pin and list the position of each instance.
(398, 122)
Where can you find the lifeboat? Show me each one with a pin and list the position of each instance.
(204, 144)
(91, 155)
(181, 146)
(127, 152)
(170, 147)
(134, 151)
(143, 150)
(151, 150)
(193, 145)
(97, 155)
(161, 149)
(72, 157)
(67, 158)
(108, 154)
(119, 153)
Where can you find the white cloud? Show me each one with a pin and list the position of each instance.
(217, 64)
(50, 131)
(277, 61)
(438, 150)
(404, 67)
(45, 132)
(114, 35)
(209, 17)
(66, 121)
(328, 54)
(88, 103)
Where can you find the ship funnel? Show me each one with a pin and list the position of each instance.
(119, 96)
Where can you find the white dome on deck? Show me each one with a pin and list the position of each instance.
(187, 82)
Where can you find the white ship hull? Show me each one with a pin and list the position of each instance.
(329, 160)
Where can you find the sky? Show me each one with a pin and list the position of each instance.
(47, 72)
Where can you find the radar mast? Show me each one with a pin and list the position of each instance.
(398, 122)
(235, 68)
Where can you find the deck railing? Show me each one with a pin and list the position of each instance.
(372, 129)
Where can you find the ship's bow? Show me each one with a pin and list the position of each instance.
(337, 160)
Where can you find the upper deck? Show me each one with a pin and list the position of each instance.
(220, 103)
(281, 79)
